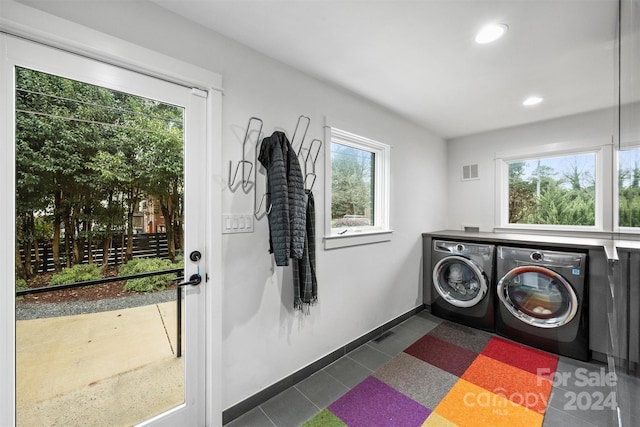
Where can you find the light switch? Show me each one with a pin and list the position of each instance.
(237, 223)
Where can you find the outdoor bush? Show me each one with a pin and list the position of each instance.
(147, 265)
(351, 221)
(21, 284)
(77, 273)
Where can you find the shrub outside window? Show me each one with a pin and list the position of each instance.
(629, 187)
(558, 191)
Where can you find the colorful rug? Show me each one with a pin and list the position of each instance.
(453, 376)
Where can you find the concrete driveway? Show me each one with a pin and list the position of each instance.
(114, 368)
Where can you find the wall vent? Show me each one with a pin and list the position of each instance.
(470, 172)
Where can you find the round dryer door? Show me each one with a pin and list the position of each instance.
(460, 281)
(538, 296)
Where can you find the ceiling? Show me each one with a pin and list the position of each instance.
(419, 58)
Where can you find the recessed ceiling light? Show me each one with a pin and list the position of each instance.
(532, 100)
(490, 33)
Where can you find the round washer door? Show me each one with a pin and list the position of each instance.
(538, 296)
(460, 281)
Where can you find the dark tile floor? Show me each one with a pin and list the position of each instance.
(581, 396)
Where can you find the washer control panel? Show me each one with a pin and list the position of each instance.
(461, 248)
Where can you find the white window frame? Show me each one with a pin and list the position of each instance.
(603, 177)
(616, 189)
(380, 231)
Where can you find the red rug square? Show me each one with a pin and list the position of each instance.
(446, 356)
(520, 387)
(521, 356)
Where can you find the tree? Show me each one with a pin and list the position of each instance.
(575, 177)
(551, 204)
(28, 201)
(60, 125)
(629, 196)
(541, 198)
(111, 213)
(164, 154)
(86, 156)
(580, 195)
(351, 189)
(35, 180)
(522, 194)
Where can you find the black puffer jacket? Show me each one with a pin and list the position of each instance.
(286, 196)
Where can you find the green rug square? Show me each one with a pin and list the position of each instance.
(326, 418)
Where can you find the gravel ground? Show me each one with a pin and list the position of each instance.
(26, 311)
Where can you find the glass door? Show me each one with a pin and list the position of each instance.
(108, 168)
(459, 281)
(538, 296)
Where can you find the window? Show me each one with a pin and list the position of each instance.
(358, 187)
(551, 191)
(629, 187)
(352, 186)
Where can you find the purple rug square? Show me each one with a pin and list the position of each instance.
(373, 403)
(446, 356)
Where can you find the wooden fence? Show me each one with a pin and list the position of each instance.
(144, 245)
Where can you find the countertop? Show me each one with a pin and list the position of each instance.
(610, 246)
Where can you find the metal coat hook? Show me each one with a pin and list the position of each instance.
(293, 139)
(311, 174)
(315, 157)
(313, 181)
(257, 210)
(243, 163)
(258, 206)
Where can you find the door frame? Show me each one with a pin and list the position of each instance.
(25, 22)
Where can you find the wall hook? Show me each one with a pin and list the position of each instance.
(244, 164)
(311, 175)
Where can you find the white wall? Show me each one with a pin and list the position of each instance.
(473, 202)
(360, 288)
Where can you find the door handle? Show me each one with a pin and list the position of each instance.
(194, 280)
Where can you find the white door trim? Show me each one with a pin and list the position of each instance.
(29, 23)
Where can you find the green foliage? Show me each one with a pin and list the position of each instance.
(351, 182)
(629, 196)
(544, 199)
(77, 273)
(522, 202)
(569, 200)
(148, 265)
(21, 284)
(85, 158)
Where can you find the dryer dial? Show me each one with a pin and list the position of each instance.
(536, 256)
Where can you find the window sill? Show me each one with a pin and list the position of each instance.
(356, 239)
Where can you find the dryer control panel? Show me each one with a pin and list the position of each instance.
(462, 248)
(546, 258)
